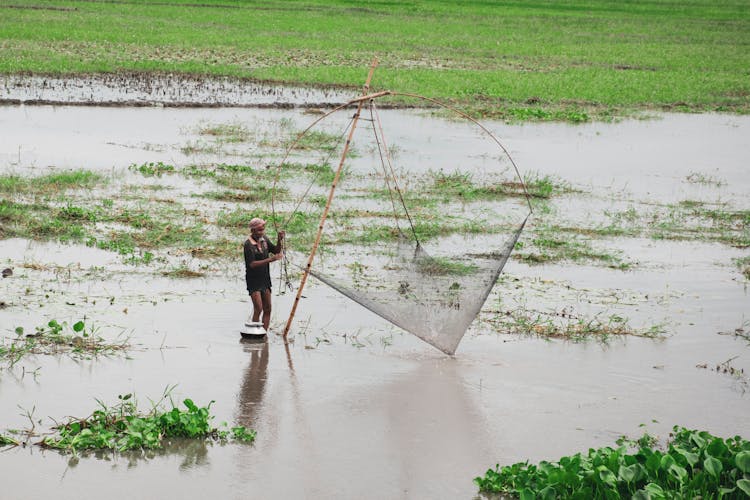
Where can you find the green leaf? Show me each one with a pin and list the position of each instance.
(743, 461)
(627, 474)
(690, 457)
(744, 485)
(640, 495)
(526, 494)
(678, 472)
(717, 448)
(654, 491)
(607, 476)
(78, 326)
(547, 493)
(713, 466)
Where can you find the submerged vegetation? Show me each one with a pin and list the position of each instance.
(568, 326)
(125, 427)
(695, 464)
(79, 340)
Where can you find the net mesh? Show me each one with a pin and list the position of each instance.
(419, 231)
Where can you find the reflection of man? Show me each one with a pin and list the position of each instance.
(253, 383)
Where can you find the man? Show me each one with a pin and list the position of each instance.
(259, 253)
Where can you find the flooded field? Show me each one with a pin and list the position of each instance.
(354, 407)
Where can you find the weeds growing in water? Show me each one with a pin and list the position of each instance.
(226, 132)
(568, 326)
(462, 186)
(440, 266)
(78, 340)
(182, 272)
(744, 265)
(151, 169)
(8, 441)
(553, 245)
(51, 183)
(707, 179)
(695, 464)
(124, 427)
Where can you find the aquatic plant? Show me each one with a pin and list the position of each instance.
(124, 427)
(8, 441)
(151, 169)
(695, 464)
(78, 340)
(568, 326)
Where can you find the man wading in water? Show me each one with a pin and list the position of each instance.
(257, 275)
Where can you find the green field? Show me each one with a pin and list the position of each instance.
(564, 59)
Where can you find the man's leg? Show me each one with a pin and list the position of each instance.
(257, 305)
(266, 299)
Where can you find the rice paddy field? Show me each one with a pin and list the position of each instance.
(138, 139)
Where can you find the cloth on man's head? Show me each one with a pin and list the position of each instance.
(256, 222)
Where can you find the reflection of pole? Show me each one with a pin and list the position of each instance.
(330, 199)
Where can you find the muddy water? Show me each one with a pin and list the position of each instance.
(355, 408)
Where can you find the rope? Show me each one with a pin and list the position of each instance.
(392, 175)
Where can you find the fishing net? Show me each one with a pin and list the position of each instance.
(421, 223)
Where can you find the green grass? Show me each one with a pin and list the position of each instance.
(570, 60)
(695, 464)
(569, 327)
(548, 243)
(687, 220)
(50, 183)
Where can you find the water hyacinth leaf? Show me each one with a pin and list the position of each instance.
(654, 491)
(527, 494)
(667, 461)
(744, 485)
(690, 457)
(743, 461)
(678, 472)
(628, 473)
(78, 326)
(607, 476)
(547, 493)
(641, 495)
(713, 466)
(717, 448)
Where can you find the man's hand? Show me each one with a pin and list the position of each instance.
(278, 256)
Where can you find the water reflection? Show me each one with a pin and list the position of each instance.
(254, 382)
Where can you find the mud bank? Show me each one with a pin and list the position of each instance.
(172, 90)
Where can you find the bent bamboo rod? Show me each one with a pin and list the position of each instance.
(360, 102)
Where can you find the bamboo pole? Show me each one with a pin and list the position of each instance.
(360, 102)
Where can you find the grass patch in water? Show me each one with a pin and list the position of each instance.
(743, 264)
(79, 340)
(152, 169)
(125, 427)
(461, 186)
(226, 132)
(441, 266)
(50, 183)
(567, 326)
(553, 245)
(688, 220)
(182, 271)
(8, 441)
(41, 222)
(695, 464)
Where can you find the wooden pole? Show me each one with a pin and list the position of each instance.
(305, 274)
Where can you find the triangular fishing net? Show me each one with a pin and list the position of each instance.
(418, 230)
